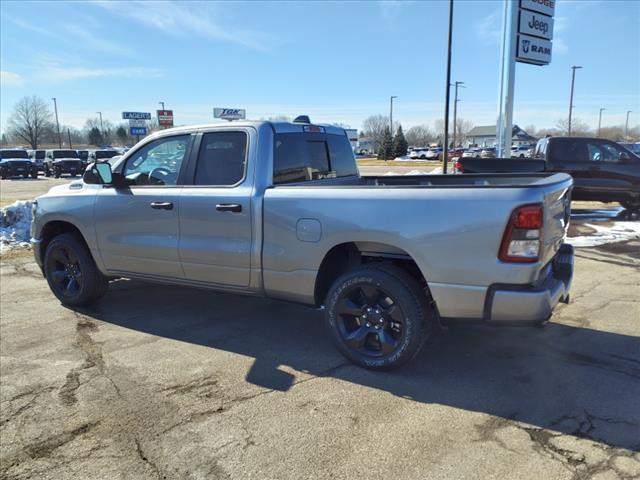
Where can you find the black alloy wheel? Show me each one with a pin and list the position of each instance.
(369, 320)
(63, 267)
(71, 272)
(378, 316)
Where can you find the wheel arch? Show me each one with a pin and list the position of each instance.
(344, 256)
(54, 228)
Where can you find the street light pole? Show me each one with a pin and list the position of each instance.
(600, 120)
(445, 150)
(391, 113)
(161, 103)
(626, 127)
(55, 107)
(101, 125)
(455, 111)
(573, 79)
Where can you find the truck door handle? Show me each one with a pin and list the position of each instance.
(229, 207)
(162, 205)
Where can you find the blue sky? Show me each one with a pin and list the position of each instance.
(336, 61)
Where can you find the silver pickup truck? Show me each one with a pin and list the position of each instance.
(278, 209)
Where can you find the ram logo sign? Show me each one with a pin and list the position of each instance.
(229, 113)
(533, 50)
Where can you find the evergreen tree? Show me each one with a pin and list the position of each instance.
(95, 136)
(386, 145)
(400, 144)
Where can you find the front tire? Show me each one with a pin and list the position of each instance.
(72, 274)
(378, 316)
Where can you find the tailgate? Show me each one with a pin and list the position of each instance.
(557, 212)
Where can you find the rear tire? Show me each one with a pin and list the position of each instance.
(379, 296)
(72, 274)
(34, 174)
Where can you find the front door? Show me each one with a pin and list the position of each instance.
(137, 226)
(215, 212)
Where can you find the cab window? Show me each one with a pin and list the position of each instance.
(158, 163)
(222, 158)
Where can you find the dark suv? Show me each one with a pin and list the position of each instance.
(58, 162)
(16, 163)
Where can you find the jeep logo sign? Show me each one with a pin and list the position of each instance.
(533, 50)
(535, 24)
(229, 113)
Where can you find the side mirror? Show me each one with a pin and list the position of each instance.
(98, 174)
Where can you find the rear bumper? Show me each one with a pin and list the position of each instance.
(515, 304)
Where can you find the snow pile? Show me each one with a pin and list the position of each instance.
(15, 222)
(610, 233)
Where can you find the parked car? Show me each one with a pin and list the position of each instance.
(455, 153)
(434, 153)
(16, 163)
(633, 147)
(419, 154)
(83, 155)
(261, 211)
(472, 152)
(58, 162)
(602, 170)
(104, 154)
(37, 156)
(520, 151)
(488, 153)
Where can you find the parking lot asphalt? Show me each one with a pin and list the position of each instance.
(163, 382)
(168, 382)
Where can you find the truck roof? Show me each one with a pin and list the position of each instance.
(278, 127)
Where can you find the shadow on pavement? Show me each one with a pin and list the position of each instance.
(576, 381)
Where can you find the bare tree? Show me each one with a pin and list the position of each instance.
(578, 128)
(419, 136)
(105, 128)
(373, 128)
(30, 121)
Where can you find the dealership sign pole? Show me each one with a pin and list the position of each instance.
(527, 32)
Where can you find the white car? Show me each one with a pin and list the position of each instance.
(419, 154)
(434, 153)
(519, 151)
(472, 152)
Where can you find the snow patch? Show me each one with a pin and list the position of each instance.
(15, 225)
(611, 233)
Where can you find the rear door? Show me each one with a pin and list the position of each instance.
(137, 226)
(570, 155)
(215, 211)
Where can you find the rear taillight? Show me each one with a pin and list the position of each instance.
(523, 236)
(458, 167)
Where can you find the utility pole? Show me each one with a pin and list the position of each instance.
(69, 136)
(626, 127)
(445, 150)
(600, 120)
(101, 125)
(55, 107)
(391, 113)
(573, 80)
(455, 111)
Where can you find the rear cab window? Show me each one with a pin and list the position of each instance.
(300, 157)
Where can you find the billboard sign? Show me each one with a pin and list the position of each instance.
(537, 25)
(136, 131)
(136, 116)
(533, 50)
(229, 113)
(546, 7)
(137, 123)
(165, 118)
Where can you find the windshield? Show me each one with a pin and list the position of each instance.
(65, 154)
(105, 154)
(13, 154)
